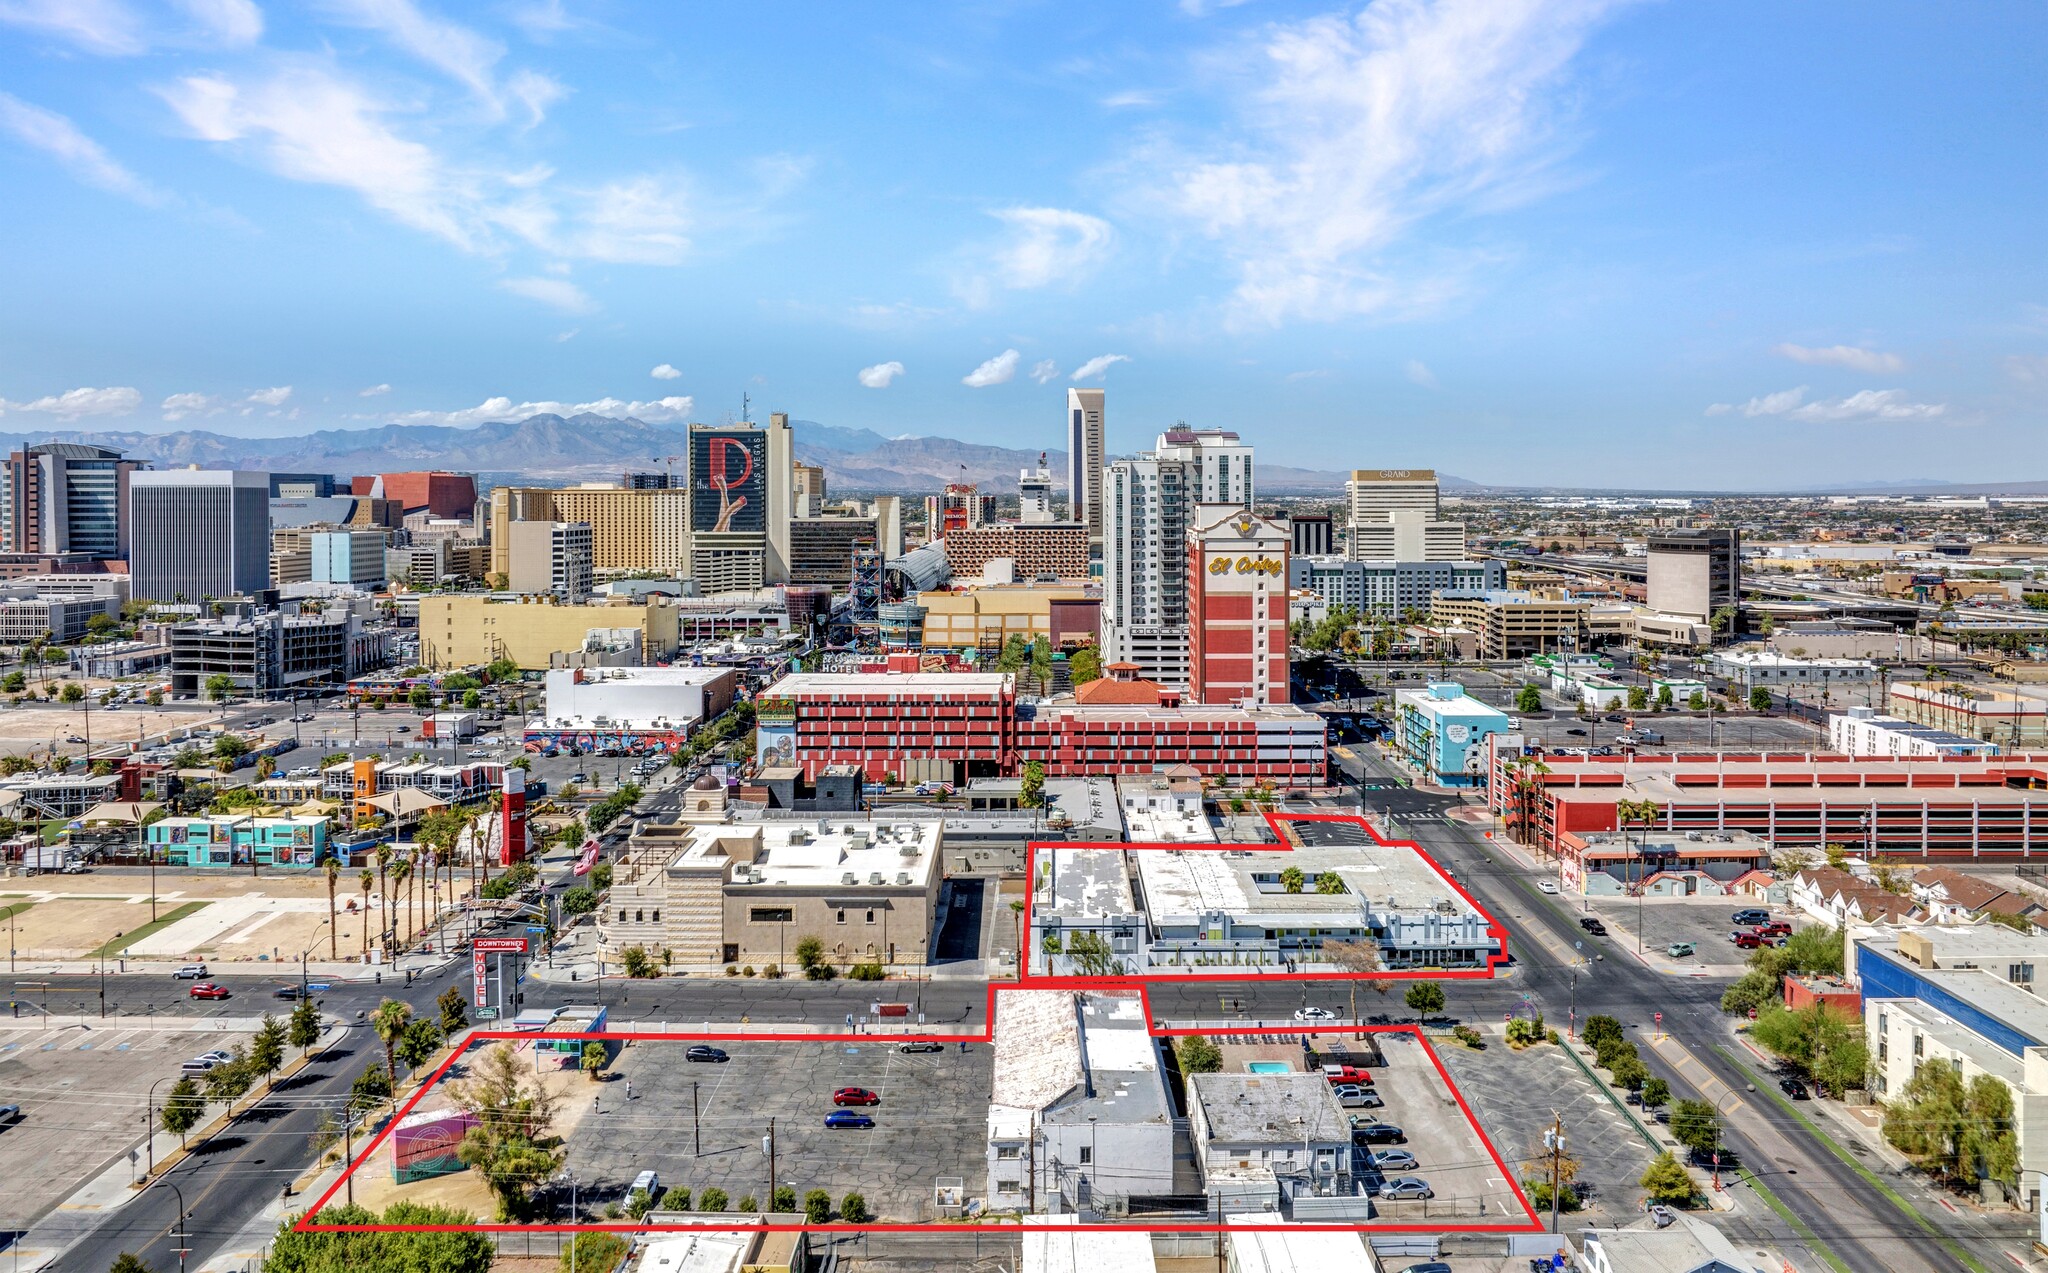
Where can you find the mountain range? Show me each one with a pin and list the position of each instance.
(589, 447)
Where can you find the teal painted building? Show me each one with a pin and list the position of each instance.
(230, 840)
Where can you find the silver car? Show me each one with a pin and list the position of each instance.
(1394, 1160)
(1406, 1187)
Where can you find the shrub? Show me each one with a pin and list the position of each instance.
(677, 1199)
(1524, 1031)
(1468, 1036)
(772, 972)
(639, 1204)
(784, 1200)
(747, 971)
(853, 1209)
(747, 1203)
(865, 972)
(712, 1199)
(732, 970)
(817, 1206)
(595, 1253)
(1538, 1189)
(1668, 1181)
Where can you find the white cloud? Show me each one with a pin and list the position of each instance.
(233, 23)
(1880, 405)
(1355, 128)
(666, 372)
(1094, 367)
(558, 292)
(881, 374)
(465, 56)
(1850, 356)
(271, 397)
(673, 410)
(1048, 245)
(1045, 371)
(2027, 370)
(180, 405)
(536, 92)
(1420, 374)
(73, 403)
(80, 155)
(995, 371)
(374, 391)
(97, 26)
(1129, 97)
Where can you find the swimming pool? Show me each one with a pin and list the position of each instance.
(1268, 1067)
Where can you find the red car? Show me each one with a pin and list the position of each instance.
(1347, 1074)
(208, 990)
(1746, 941)
(1776, 928)
(855, 1096)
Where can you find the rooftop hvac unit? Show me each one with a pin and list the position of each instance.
(799, 836)
(874, 878)
(849, 878)
(908, 850)
(902, 878)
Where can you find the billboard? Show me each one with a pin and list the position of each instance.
(428, 1144)
(775, 711)
(775, 745)
(728, 480)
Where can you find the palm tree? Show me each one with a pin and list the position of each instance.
(389, 1021)
(1527, 772)
(400, 875)
(365, 880)
(383, 890)
(333, 876)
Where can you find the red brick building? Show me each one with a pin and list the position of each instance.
(1237, 607)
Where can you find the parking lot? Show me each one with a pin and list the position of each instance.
(1681, 731)
(1703, 921)
(1450, 1152)
(82, 1096)
(1515, 1094)
(931, 1123)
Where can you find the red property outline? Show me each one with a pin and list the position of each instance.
(1531, 1223)
(1027, 978)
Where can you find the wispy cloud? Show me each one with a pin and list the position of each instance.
(1045, 371)
(80, 155)
(1876, 405)
(1094, 367)
(666, 372)
(180, 406)
(106, 27)
(231, 23)
(2027, 369)
(881, 375)
(997, 370)
(271, 397)
(374, 391)
(660, 411)
(1869, 361)
(74, 403)
(465, 56)
(1128, 98)
(558, 292)
(1355, 128)
(1419, 373)
(1040, 247)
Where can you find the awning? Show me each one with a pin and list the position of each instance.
(122, 811)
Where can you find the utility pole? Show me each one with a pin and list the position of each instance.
(771, 1166)
(696, 1122)
(1031, 1165)
(1553, 1140)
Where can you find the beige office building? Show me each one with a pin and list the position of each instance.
(470, 630)
(1396, 515)
(747, 894)
(629, 530)
(1512, 624)
(985, 618)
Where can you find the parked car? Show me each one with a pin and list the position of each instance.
(647, 1182)
(1377, 1134)
(1793, 1088)
(1576, 732)
(1546, 886)
(1745, 940)
(1752, 915)
(190, 972)
(207, 990)
(1403, 1187)
(855, 1096)
(1392, 1160)
(847, 1118)
(9, 1115)
(705, 1052)
(290, 992)
(1438, 1266)
(921, 1045)
(1679, 949)
(1352, 1096)
(1592, 924)
(1314, 1014)
(1347, 1074)
(1776, 928)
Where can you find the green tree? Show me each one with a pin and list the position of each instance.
(1198, 1054)
(1330, 883)
(220, 687)
(580, 900)
(1664, 698)
(127, 1261)
(455, 1248)
(1656, 1094)
(1697, 702)
(371, 1088)
(1759, 699)
(1013, 654)
(595, 1057)
(1031, 791)
(712, 1199)
(1292, 879)
(1425, 999)
(1695, 1125)
(230, 747)
(389, 1022)
(422, 1038)
(637, 962)
(810, 954)
(420, 697)
(454, 1011)
(853, 1209)
(1638, 697)
(817, 1207)
(502, 669)
(266, 1049)
(14, 682)
(1528, 699)
(1084, 665)
(1668, 1181)
(1823, 1042)
(305, 1025)
(183, 1108)
(471, 700)
(512, 1147)
(72, 693)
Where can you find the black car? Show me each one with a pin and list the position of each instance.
(290, 992)
(1793, 1088)
(1615, 718)
(704, 1052)
(1377, 1134)
(1576, 733)
(1592, 924)
(925, 1045)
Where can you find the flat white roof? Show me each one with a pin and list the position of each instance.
(1084, 884)
(678, 675)
(1091, 1251)
(822, 854)
(1156, 826)
(1265, 1247)
(977, 683)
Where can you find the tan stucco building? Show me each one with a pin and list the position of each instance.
(466, 630)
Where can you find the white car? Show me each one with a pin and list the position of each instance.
(1546, 886)
(1314, 1014)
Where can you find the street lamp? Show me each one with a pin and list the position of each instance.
(179, 1225)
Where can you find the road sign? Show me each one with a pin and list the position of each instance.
(501, 945)
(487, 1014)
(1659, 1016)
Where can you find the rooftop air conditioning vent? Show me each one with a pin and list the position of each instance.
(849, 878)
(902, 878)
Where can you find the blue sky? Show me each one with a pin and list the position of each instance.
(1577, 241)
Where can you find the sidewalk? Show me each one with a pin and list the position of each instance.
(281, 970)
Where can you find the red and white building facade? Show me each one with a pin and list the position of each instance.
(1237, 607)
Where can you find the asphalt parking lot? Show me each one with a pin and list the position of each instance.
(1704, 921)
(1515, 1094)
(931, 1123)
(1449, 1150)
(82, 1095)
(1682, 731)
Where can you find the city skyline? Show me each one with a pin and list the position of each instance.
(1698, 249)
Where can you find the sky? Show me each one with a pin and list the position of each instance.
(1582, 242)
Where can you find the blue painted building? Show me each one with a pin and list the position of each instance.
(1441, 731)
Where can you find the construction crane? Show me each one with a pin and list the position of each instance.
(668, 463)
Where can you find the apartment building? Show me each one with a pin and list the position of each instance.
(1390, 589)
(1085, 458)
(198, 533)
(1237, 606)
(469, 630)
(1035, 549)
(551, 557)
